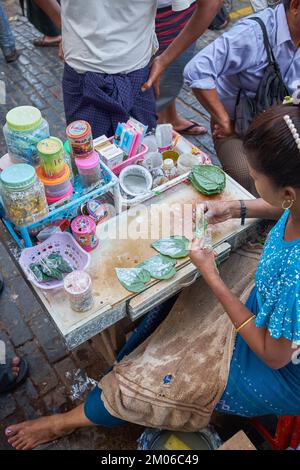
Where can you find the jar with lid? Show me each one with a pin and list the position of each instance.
(89, 169)
(23, 130)
(51, 153)
(169, 169)
(23, 195)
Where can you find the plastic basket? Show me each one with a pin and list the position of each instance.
(130, 161)
(66, 246)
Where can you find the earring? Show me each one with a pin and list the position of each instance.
(287, 203)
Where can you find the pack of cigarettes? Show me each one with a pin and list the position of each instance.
(111, 155)
(101, 142)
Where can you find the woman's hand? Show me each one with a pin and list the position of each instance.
(204, 260)
(217, 211)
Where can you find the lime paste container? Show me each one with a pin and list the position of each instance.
(23, 130)
(79, 134)
(56, 187)
(51, 153)
(89, 169)
(84, 231)
(23, 195)
(78, 287)
(68, 195)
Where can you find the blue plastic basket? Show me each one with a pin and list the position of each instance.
(81, 195)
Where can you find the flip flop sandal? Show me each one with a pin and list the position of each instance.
(187, 129)
(42, 43)
(8, 381)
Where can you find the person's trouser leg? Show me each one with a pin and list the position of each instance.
(7, 40)
(96, 412)
(234, 161)
(172, 79)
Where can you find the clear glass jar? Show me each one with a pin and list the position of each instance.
(23, 130)
(23, 195)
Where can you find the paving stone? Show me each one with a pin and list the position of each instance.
(41, 373)
(57, 401)
(48, 337)
(15, 325)
(28, 303)
(65, 369)
(26, 397)
(7, 405)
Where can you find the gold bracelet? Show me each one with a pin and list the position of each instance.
(245, 323)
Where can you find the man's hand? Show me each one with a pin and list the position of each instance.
(61, 54)
(156, 71)
(223, 128)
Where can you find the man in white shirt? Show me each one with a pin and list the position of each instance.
(108, 46)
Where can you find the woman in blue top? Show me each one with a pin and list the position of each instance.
(265, 372)
(264, 376)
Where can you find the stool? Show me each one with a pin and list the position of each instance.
(287, 432)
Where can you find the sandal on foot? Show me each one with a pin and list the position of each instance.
(187, 130)
(8, 381)
(40, 42)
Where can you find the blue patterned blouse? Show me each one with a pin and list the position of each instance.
(254, 389)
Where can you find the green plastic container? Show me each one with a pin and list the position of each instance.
(51, 153)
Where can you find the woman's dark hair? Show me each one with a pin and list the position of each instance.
(271, 148)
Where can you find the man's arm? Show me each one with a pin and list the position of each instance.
(203, 15)
(52, 9)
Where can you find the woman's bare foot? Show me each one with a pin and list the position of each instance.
(30, 434)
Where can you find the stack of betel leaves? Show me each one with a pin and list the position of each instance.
(208, 179)
(52, 267)
(162, 266)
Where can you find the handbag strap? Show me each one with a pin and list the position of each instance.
(270, 54)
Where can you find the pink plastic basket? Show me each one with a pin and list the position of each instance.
(66, 246)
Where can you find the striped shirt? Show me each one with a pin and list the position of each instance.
(168, 24)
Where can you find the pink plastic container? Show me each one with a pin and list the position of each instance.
(130, 161)
(69, 193)
(84, 231)
(89, 169)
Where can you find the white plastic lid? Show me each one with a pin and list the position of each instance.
(168, 164)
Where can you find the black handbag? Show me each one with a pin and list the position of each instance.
(271, 90)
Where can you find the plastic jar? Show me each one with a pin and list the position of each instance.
(69, 159)
(80, 137)
(51, 153)
(84, 230)
(78, 286)
(169, 169)
(23, 195)
(24, 128)
(55, 187)
(89, 169)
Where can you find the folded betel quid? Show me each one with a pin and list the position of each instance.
(208, 179)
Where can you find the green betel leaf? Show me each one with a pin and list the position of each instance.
(160, 267)
(208, 179)
(133, 279)
(175, 247)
